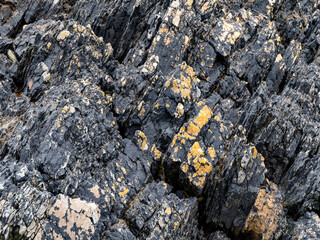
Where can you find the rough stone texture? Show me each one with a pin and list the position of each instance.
(170, 119)
(307, 227)
(266, 217)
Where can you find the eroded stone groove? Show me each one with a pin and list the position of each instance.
(171, 119)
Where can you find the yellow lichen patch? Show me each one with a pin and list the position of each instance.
(124, 170)
(228, 34)
(184, 167)
(205, 6)
(212, 152)
(176, 224)
(167, 40)
(200, 164)
(189, 2)
(86, 101)
(255, 152)
(182, 86)
(109, 99)
(278, 58)
(189, 70)
(269, 46)
(142, 141)
(142, 112)
(200, 103)
(59, 121)
(197, 181)
(223, 127)
(62, 35)
(163, 29)
(168, 211)
(179, 110)
(181, 137)
(203, 117)
(124, 192)
(195, 151)
(156, 153)
(186, 40)
(193, 129)
(68, 109)
(264, 216)
(120, 179)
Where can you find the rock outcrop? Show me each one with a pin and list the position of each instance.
(170, 119)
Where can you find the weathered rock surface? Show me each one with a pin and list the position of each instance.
(170, 119)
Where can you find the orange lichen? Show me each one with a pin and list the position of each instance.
(182, 86)
(168, 211)
(264, 216)
(203, 117)
(124, 170)
(200, 164)
(142, 112)
(255, 152)
(179, 110)
(124, 192)
(194, 128)
(142, 141)
(212, 152)
(68, 109)
(195, 151)
(205, 7)
(184, 167)
(163, 29)
(176, 224)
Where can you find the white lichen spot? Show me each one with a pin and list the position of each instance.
(46, 76)
(62, 35)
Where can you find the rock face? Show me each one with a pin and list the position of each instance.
(170, 119)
